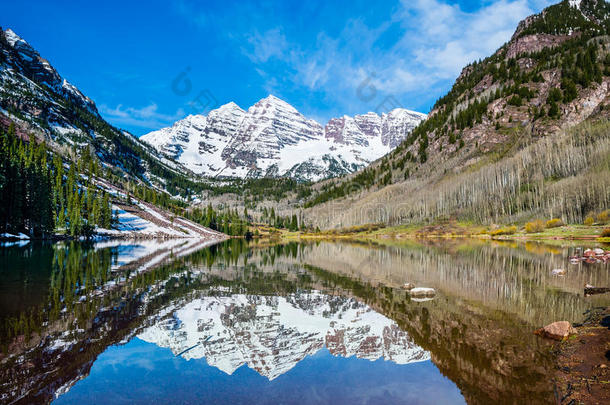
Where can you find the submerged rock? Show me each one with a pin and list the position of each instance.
(557, 330)
(421, 299)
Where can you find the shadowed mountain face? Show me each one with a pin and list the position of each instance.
(271, 308)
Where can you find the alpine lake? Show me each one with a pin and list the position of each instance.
(181, 321)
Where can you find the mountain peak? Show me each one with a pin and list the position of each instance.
(12, 37)
(275, 101)
(565, 19)
(274, 139)
(403, 111)
(273, 98)
(229, 106)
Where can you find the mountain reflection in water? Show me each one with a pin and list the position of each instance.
(274, 319)
(272, 334)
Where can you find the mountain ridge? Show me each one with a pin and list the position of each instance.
(552, 76)
(272, 138)
(40, 102)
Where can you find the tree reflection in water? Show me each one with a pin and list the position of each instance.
(82, 298)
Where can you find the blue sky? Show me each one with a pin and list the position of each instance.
(149, 64)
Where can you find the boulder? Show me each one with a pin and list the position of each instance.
(556, 330)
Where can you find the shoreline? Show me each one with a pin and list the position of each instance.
(450, 230)
(582, 364)
(106, 237)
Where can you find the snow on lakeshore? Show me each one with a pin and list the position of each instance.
(145, 221)
(9, 239)
(129, 222)
(20, 236)
(150, 252)
(139, 219)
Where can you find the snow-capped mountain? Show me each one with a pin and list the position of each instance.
(41, 71)
(272, 138)
(39, 101)
(272, 334)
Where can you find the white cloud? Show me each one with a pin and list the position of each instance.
(463, 37)
(431, 41)
(144, 117)
(269, 44)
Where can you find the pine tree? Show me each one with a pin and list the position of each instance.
(61, 217)
(294, 225)
(106, 212)
(75, 215)
(569, 90)
(554, 110)
(95, 216)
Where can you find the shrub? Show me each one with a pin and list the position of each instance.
(589, 220)
(534, 226)
(603, 216)
(507, 230)
(605, 233)
(554, 223)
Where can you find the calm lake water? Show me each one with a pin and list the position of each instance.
(236, 323)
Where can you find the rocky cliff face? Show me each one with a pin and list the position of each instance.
(272, 334)
(272, 138)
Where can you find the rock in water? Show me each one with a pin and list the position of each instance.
(421, 292)
(591, 290)
(556, 330)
